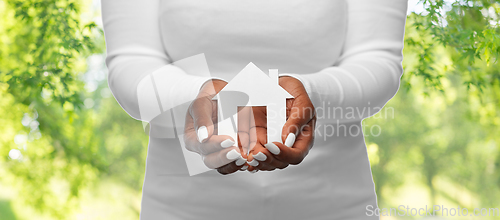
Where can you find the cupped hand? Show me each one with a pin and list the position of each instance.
(218, 151)
(297, 133)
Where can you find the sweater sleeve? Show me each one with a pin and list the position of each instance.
(141, 76)
(367, 74)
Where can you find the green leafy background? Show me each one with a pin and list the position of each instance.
(68, 151)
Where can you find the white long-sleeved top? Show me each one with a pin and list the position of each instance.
(347, 53)
(351, 61)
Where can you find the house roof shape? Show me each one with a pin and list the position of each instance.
(261, 89)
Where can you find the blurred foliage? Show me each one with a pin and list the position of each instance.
(445, 129)
(64, 138)
(68, 134)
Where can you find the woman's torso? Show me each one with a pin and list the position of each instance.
(295, 36)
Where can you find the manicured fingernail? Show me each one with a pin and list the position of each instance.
(227, 143)
(244, 168)
(253, 171)
(241, 161)
(290, 140)
(232, 155)
(202, 133)
(254, 163)
(260, 156)
(272, 148)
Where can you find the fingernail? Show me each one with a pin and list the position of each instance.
(244, 168)
(260, 156)
(202, 133)
(232, 155)
(290, 140)
(254, 163)
(272, 148)
(241, 161)
(227, 143)
(253, 171)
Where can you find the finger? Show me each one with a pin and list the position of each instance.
(296, 153)
(252, 163)
(229, 168)
(243, 142)
(213, 144)
(201, 111)
(305, 139)
(266, 159)
(258, 126)
(286, 154)
(300, 113)
(221, 158)
(259, 118)
(258, 135)
(244, 167)
(252, 169)
(244, 117)
(190, 133)
(259, 157)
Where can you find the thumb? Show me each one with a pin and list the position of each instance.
(299, 116)
(201, 112)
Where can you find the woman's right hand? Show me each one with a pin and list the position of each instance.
(218, 151)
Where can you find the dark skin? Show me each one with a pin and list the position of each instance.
(252, 128)
(203, 112)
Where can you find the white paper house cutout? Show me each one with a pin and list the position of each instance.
(252, 87)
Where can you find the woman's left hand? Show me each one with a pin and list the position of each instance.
(297, 133)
